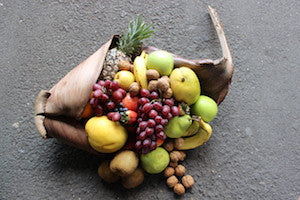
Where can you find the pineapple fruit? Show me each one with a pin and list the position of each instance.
(128, 46)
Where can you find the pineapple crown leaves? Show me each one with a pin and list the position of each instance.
(130, 41)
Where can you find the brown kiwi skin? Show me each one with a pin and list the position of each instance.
(106, 174)
(124, 163)
(133, 180)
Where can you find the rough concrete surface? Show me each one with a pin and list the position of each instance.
(254, 150)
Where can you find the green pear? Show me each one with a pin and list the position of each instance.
(177, 126)
(185, 85)
(155, 161)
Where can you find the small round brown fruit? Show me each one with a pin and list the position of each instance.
(169, 171)
(124, 163)
(169, 146)
(172, 181)
(106, 174)
(188, 181)
(180, 170)
(133, 180)
(152, 74)
(179, 189)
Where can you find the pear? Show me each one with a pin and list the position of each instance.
(177, 126)
(185, 85)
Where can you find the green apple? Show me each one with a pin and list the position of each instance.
(185, 85)
(177, 126)
(155, 161)
(206, 108)
(161, 61)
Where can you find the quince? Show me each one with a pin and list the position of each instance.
(104, 135)
(185, 85)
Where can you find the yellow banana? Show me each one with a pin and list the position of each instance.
(139, 70)
(200, 138)
(193, 129)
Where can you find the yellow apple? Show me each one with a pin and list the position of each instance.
(124, 78)
(104, 135)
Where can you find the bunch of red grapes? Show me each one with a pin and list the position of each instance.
(154, 113)
(107, 96)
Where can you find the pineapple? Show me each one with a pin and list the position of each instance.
(128, 46)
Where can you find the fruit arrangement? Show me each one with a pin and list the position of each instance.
(140, 105)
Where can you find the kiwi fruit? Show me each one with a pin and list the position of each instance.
(124, 163)
(133, 180)
(106, 174)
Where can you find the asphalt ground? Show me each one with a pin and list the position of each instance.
(254, 150)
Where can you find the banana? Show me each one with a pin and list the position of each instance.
(200, 138)
(139, 70)
(193, 129)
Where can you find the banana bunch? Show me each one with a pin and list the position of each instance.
(196, 135)
(139, 70)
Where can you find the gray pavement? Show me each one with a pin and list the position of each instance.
(254, 151)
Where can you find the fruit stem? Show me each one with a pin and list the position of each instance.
(196, 118)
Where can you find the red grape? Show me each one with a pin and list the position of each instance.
(151, 123)
(154, 95)
(99, 110)
(174, 110)
(147, 107)
(147, 142)
(166, 109)
(92, 101)
(169, 116)
(123, 92)
(139, 120)
(145, 93)
(110, 105)
(142, 101)
(159, 128)
(116, 117)
(153, 137)
(142, 135)
(96, 86)
(109, 115)
(97, 93)
(138, 144)
(157, 106)
(143, 125)
(114, 85)
(158, 119)
(149, 131)
(144, 116)
(169, 102)
(101, 82)
(107, 84)
(104, 97)
(117, 95)
(153, 145)
(161, 135)
(152, 114)
(164, 122)
(138, 130)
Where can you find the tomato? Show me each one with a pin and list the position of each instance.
(131, 102)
